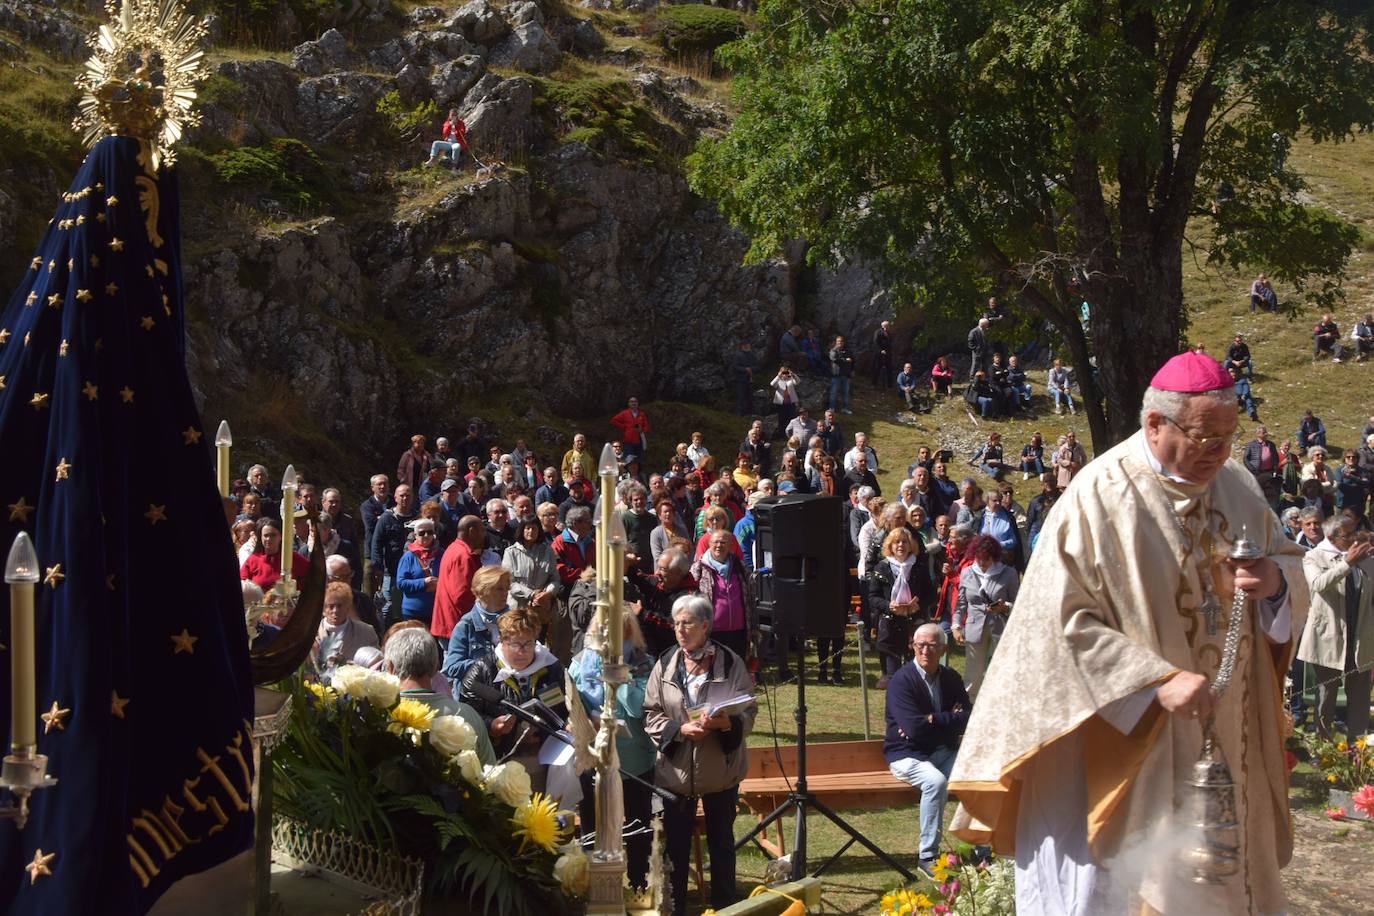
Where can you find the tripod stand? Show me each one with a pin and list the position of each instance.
(800, 799)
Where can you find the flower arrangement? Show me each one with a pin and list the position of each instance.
(1345, 766)
(362, 759)
(1349, 770)
(963, 887)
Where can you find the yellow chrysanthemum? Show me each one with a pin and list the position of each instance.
(536, 822)
(411, 715)
(1360, 743)
(1330, 777)
(923, 902)
(322, 692)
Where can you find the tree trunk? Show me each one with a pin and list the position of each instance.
(1136, 319)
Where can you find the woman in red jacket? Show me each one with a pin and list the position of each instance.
(263, 565)
(454, 142)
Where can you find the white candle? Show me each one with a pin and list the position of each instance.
(608, 469)
(223, 439)
(288, 520)
(21, 572)
(615, 616)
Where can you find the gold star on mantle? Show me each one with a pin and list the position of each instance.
(95, 260)
(117, 704)
(4, 336)
(84, 295)
(30, 299)
(52, 265)
(55, 301)
(190, 435)
(184, 642)
(19, 512)
(64, 469)
(36, 264)
(55, 718)
(90, 391)
(111, 288)
(155, 514)
(39, 866)
(39, 400)
(116, 245)
(147, 322)
(54, 576)
(127, 394)
(62, 348)
(112, 200)
(109, 582)
(2, 383)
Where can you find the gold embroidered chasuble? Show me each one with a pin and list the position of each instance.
(1110, 606)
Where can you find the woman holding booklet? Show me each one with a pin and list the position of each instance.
(698, 709)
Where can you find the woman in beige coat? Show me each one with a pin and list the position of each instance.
(699, 756)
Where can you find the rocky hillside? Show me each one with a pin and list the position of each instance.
(340, 292)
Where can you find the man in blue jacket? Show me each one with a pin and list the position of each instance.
(927, 712)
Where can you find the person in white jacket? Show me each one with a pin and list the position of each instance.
(1338, 639)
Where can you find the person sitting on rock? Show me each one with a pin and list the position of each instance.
(454, 142)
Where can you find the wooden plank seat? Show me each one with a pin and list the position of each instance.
(842, 774)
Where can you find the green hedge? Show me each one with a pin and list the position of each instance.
(696, 27)
(284, 167)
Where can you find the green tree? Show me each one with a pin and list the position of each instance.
(1051, 150)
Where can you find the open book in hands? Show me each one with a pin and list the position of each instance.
(728, 707)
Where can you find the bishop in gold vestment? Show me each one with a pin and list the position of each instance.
(1090, 717)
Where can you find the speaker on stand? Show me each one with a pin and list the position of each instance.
(800, 567)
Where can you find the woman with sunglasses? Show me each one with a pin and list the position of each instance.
(417, 573)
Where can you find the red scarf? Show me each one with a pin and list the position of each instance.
(425, 555)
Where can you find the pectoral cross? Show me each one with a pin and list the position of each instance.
(1210, 608)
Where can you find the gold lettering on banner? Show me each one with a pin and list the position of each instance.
(211, 765)
(142, 875)
(200, 806)
(153, 829)
(170, 818)
(148, 870)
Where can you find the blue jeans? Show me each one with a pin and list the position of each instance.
(839, 389)
(1024, 391)
(439, 147)
(1062, 399)
(1033, 466)
(993, 471)
(931, 777)
(985, 407)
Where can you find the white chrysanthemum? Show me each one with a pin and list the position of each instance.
(573, 871)
(383, 690)
(350, 680)
(470, 765)
(509, 782)
(451, 735)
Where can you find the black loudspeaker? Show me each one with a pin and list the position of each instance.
(799, 543)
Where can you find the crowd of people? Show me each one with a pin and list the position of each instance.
(488, 551)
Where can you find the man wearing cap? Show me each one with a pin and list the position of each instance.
(1126, 607)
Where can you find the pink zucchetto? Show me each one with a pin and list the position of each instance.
(1192, 373)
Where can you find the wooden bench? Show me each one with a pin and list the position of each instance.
(842, 774)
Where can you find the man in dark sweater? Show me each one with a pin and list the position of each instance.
(389, 538)
(927, 712)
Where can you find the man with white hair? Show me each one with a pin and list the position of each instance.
(1125, 608)
(413, 656)
(861, 447)
(979, 348)
(927, 711)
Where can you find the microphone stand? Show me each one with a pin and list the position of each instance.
(491, 695)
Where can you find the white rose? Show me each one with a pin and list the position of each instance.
(509, 782)
(470, 765)
(573, 871)
(383, 690)
(451, 734)
(349, 680)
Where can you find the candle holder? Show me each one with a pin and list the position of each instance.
(25, 771)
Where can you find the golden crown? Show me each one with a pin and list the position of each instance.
(141, 79)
